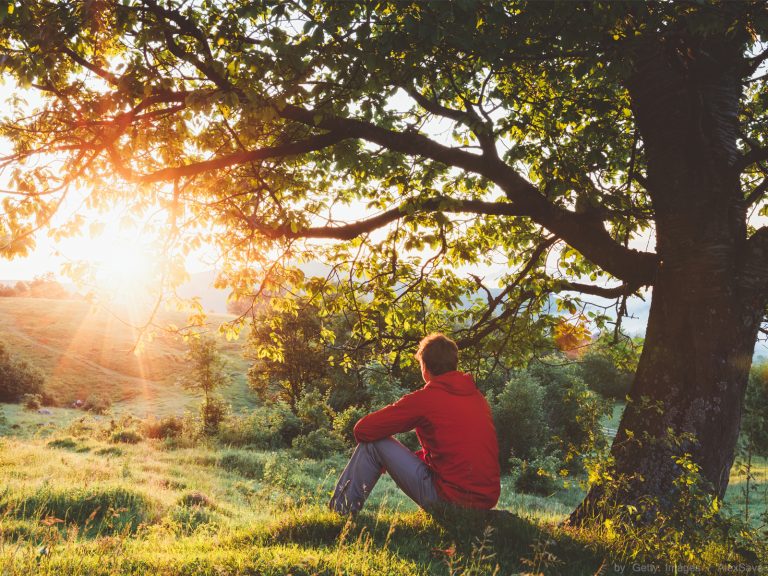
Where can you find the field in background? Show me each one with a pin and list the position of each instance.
(86, 351)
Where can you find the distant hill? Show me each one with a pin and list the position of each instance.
(84, 351)
(201, 285)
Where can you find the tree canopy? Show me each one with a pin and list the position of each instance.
(469, 134)
(424, 141)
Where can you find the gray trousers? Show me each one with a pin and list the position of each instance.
(366, 465)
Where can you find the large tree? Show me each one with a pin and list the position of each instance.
(424, 137)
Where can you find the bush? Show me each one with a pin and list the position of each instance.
(162, 428)
(186, 520)
(313, 411)
(537, 476)
(268, 427)
(518, 413)
(125, 436)
(97, 404)
(213, 410)
(381, 386)
(754, 427)
(32, 401)
(17, 378)
(344, 422)
(318, 444)
(573, 412)
(602, 376)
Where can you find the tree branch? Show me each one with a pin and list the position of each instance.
(757, 193)
(613, 292)
(584, 232)
(166, 174)
(354, 229)
(100, 72)
(753, 156)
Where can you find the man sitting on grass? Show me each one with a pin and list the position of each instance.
(459, 459)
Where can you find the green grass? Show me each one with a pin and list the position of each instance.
(75, 503)
(72, 504)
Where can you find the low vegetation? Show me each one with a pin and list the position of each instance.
(89, 494)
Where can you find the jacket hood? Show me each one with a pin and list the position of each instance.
(459, 383)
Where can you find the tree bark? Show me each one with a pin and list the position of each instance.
(706, 309)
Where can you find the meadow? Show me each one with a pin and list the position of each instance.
(90, 494)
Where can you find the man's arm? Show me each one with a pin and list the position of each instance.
(402, 416)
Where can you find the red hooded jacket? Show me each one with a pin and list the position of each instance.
(455, 427)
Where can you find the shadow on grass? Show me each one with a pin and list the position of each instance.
(444, 535)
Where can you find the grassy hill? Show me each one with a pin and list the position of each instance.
(85, 351)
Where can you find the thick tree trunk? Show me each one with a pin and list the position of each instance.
(705, 313)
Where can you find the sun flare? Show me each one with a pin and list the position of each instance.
(117, 260)
(125, 271)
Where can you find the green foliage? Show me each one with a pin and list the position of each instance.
(288, 350)
(539, 475)
(17, 378)
(213, 410)
(186, 519)
(344, 422)
(98, 509)
(546, 414)
(208, 366)
(601, 375)
(247, 464)
(318, 444)
(97, 403)
(313, 411)
(573, 412)
(207, 374)
(381, 386)
(689, 532)
(267, 427)
(754, 426)
(521, 423)
(126, 436)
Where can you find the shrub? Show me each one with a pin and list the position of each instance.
(754, 426)
(125, 436)
(196, 498)
(17, 377)
(318, 444)
(520, 419)
(573, 412)
(32, 401)
(186, 520)
(97, 404)
(162, 428)
(313, 411)
(268, 427)
(213, 410)
(536, 476)
(344, 422)
(381, 386)
(601, 375)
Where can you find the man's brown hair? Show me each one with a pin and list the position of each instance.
(438, 354)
